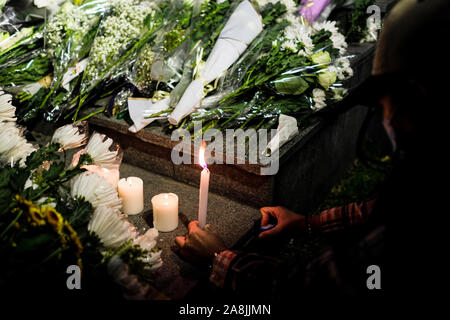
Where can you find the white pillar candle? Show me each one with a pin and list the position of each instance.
(203, 198)
(165, 212)
(131, 190)
(204, 188)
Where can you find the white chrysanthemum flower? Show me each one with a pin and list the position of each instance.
(298, 33)
(10, 136)
(13, 146)
(112, 228)
(20, 152)
(289, 45)
(319, 98)
(336, 38)
(95, 190)
(98, 149)
(69, 137)
(7, 110)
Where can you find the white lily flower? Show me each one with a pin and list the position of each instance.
(7, 110)
(69, 137)
(96, 190)
(98, 149)
(112, 228)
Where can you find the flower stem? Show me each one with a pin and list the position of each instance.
(11, 224)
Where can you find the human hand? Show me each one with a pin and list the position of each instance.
(286, 219)
(199, 246)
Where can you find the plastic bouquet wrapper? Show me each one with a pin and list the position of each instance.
(142, 111)
(124, 30)
(287, 129)
(291, 68)
(165, 66)
(242, 27)
(69, 37)
(103, 152)
(161, 60)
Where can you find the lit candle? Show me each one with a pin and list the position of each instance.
(165, 212)
(110, 175)
(204, 186)
(131, 190)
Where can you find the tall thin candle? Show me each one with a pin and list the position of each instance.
(204, 187)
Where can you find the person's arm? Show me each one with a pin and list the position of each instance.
(329, 220)
(340, 218)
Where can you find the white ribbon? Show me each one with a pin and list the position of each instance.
(242, 27)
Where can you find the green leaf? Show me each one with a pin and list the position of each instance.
(4, 177)
(291, 85)
(53, 172)
(81, 214)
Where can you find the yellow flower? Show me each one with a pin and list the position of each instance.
(54, 218)
(37, 218)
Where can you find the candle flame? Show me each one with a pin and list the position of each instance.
(201, 155)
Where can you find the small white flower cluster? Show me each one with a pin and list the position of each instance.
(319, 98)
(343, 69)
(123, 25)
(13, 146)
(69, 136)
(69, 18)
(337, 38)
(297, 37)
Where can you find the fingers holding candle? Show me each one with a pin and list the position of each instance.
(199, 245)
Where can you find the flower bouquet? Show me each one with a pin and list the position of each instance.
(53, 216)
(294, 74)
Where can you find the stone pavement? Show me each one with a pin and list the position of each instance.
(231, 219)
